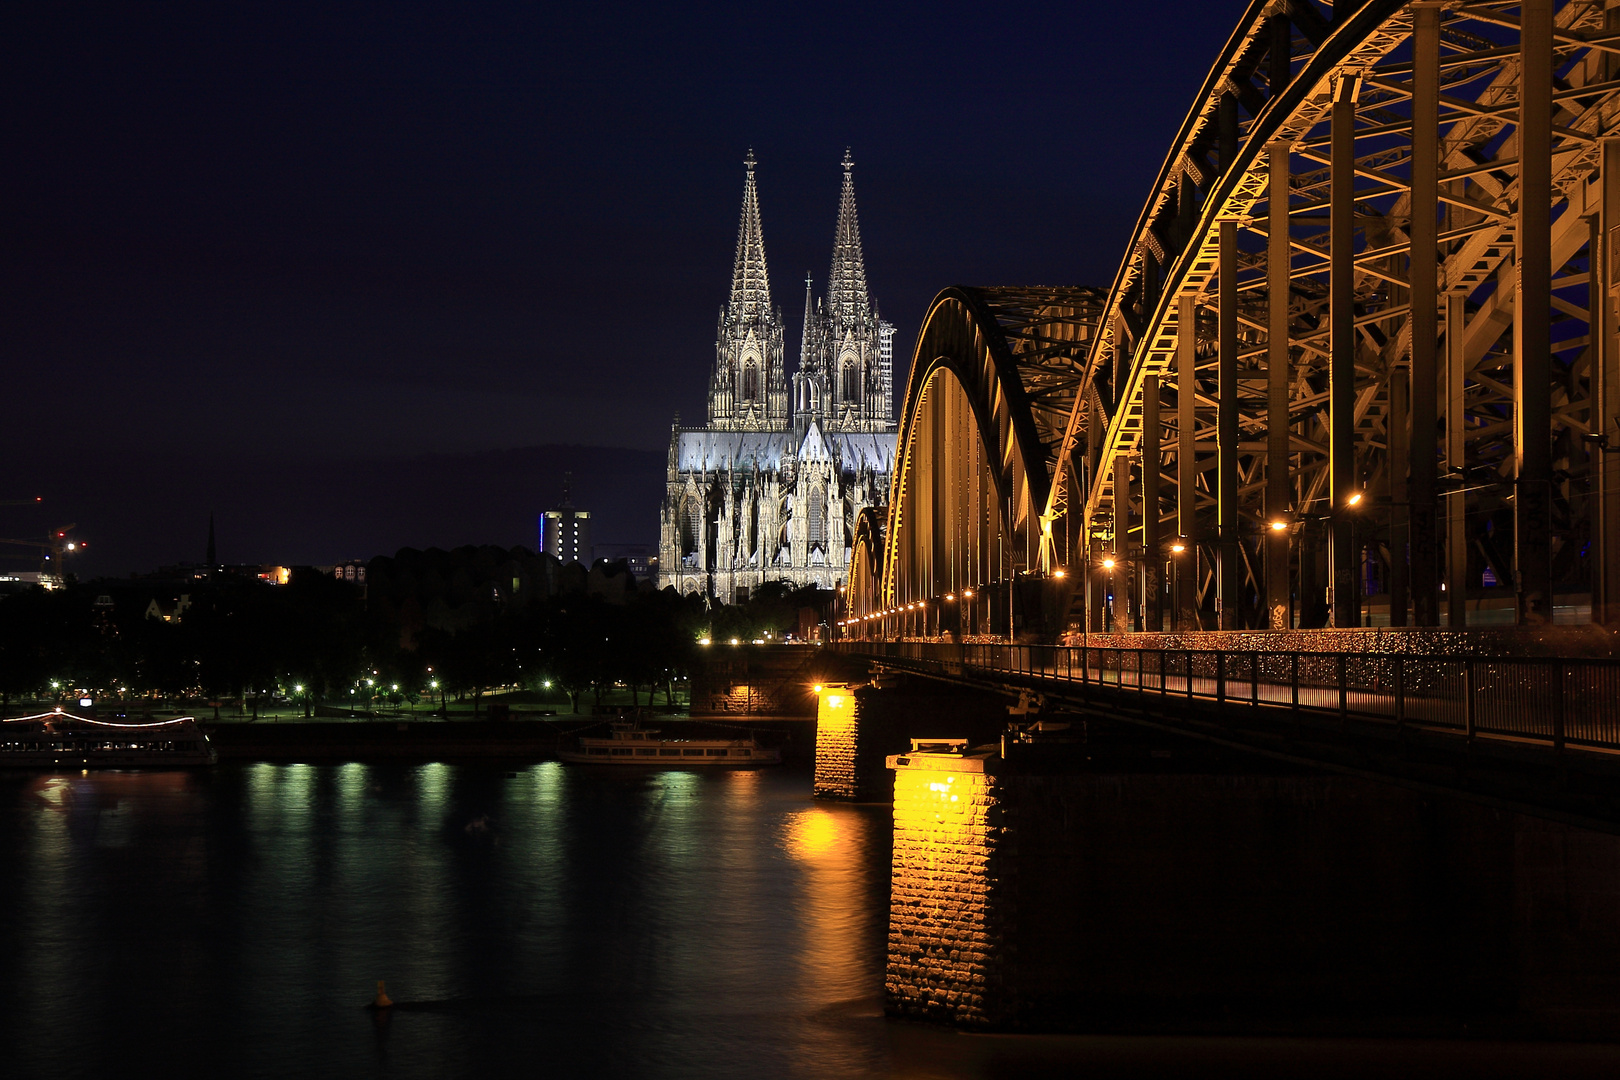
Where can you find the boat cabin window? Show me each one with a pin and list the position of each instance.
(669, 753)
(597, 750)
(718, 753)
(694, 751)
(619, 751)
(646, 751)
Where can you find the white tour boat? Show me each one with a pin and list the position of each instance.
(630, 744)
(61, 738)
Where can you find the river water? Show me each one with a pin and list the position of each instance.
(551, 920)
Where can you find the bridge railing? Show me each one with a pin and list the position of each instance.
(1559, 702)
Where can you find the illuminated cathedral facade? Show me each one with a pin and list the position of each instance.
(768, 489)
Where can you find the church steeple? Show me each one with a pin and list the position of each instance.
(847, 301)
(749, 390)
(750, 281)
(807, 339)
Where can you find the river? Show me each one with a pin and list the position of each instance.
(546, 919)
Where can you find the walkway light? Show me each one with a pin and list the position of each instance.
(1177, 548)
(299, 689)
(1278, 526)
(734, 641)
(967, 593)
(816, 688)
(1060, 573)
(703, 641)
(1354, 499)
(1108, 564)
(950, 596)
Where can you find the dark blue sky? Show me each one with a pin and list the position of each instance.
(266, 257)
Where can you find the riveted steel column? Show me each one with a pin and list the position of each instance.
(1456, 463)
(1399, 539)
(1425, 303)
(1119, 609)
(1278, 480)
(1342, 555)
(1229, 560)
(1532, 369)
(1605, 419)
(1187, 462)
(1096, 588)
(1152, 548)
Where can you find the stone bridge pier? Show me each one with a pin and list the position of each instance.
(1172, 887)
(859, 725)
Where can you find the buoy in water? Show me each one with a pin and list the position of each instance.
(382, 1001)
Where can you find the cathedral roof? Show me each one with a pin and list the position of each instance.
(847, 300)
(750, 282)
(716, 451)
(814, 447)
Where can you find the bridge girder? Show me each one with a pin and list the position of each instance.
(1443, 439)
(992, 383)
(1269, 409)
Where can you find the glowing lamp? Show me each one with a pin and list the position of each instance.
(968, 593)
(1060, 573)
(1353, 499)
(817, 688)
(1278, 526)
(1177, 549)
(1108, 564)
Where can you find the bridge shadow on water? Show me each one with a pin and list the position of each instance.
(1114, 880)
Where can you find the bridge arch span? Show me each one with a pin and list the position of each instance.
(990, 387)
(1362, 339)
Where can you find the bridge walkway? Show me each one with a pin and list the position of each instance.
(1536, 735)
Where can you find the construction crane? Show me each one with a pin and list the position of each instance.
(52, 552)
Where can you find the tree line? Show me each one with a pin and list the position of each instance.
(424, 625)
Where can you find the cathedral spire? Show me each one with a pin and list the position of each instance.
(808, 335)
(750, 283)
(847, 301)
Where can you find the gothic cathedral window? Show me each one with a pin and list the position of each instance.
(750, 385)
(852, 382)
(818, 518)
(689, 527)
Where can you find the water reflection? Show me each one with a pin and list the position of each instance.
(545, 918)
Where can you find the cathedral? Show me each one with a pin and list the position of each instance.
(768, 489)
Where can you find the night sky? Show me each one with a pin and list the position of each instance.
(364, 276)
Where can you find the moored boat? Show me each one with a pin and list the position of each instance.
(628, 743)
(62, 738)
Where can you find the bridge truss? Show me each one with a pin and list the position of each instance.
(1363, 341)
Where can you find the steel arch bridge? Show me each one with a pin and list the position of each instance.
(1361, 351)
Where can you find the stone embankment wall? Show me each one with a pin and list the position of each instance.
(766, 680)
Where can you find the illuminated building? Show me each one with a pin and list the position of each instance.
(769, 488)
(565, 533)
